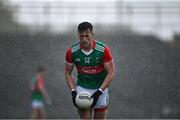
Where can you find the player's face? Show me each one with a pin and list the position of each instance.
(85, 38)
(44, 73)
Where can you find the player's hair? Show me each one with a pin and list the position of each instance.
(41, 69)
(84, 26)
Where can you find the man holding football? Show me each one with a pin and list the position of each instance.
(95, 66)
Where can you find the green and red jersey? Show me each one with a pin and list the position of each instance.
(37, 83)
(90, 65)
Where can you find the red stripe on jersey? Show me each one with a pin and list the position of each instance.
(90, 69)
(69, 55)
(107, 55)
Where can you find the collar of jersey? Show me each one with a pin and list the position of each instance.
(88, 52)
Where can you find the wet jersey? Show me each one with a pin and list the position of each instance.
(37, 83)
(90, 65)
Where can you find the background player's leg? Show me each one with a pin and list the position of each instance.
(34, 114)
(41, 113)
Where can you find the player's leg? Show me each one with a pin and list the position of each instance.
(34, 114)
(85, 114)
(100, 113)
(100, 109)
(41, 113)
(37, 109)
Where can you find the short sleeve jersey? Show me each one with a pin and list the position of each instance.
(37, 84)
(90, 65)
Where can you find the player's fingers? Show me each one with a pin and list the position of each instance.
(94, 102)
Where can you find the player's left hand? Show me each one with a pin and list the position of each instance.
(95, 97)
(48, 101)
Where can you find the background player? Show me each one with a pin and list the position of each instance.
(39, 93)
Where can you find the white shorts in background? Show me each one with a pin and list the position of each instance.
(103, 98)
(37, 104)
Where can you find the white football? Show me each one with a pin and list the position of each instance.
(84, 100)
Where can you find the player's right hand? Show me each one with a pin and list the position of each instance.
(74, 94)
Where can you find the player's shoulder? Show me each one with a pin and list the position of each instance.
(100, 43)
(75, 44)
(100, 46)
(33, 79)
(75, 47)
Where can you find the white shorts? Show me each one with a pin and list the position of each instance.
(103, 98)
(37, 104)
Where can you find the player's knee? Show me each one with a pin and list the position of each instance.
(85, 114)
(100, 110)
(100, 113)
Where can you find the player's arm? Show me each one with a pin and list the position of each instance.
(68, 70)
(44, 92)
(69, 77)
(46, 96)
(108, 63)
(70, 81)
(109, 67)
(42, 88)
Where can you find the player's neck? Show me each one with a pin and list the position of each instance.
(39, 74)
(90, 47)
(87, 49)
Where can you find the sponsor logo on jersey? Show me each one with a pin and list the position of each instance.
(90, 69)
(78, 60)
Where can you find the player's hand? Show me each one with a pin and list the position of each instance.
(48, 101)
(95, 97)
(74, 94)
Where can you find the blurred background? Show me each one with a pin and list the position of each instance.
(143, 35)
